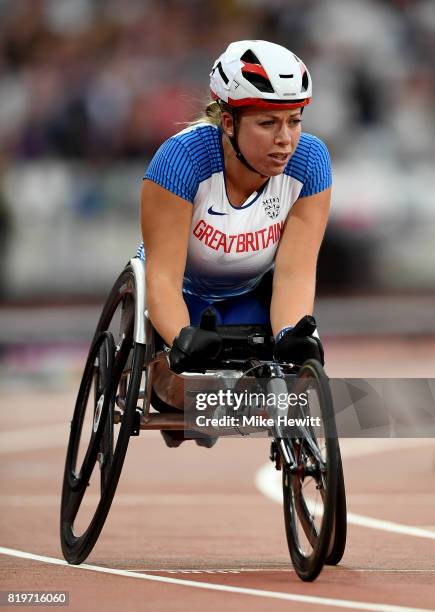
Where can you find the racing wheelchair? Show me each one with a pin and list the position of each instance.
(114, 403)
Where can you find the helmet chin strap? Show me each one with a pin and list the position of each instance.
(235, 145)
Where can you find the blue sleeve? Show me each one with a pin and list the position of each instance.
(318, 171)
(173, 168)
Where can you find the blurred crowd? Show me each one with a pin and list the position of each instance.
(108, 79)
(90, 88)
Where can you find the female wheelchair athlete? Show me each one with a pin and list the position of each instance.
(114, 402)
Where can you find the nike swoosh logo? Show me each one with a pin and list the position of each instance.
(213, 212)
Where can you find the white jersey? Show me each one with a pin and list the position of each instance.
(230, 248)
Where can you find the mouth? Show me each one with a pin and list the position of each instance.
(280, 157)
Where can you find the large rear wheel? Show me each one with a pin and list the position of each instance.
(104, 418)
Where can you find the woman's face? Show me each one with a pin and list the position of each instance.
(268, 138)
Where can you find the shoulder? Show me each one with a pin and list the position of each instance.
(202, 142)
(310, 164)
(197, 145)
(186, 159)
(311, 146)
(199, 133)
(310, 150)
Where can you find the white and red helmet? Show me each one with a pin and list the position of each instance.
(262, 74)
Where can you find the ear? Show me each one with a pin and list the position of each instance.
(227, 123)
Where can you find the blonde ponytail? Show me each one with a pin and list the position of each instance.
(212, 115)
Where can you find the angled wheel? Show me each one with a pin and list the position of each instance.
(310, 484)
(103, 421)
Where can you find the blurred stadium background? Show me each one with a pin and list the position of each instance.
(90, 88)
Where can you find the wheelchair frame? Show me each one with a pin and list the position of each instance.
(138, 351)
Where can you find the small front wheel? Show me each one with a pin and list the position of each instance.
(338, 541)
(310, 481)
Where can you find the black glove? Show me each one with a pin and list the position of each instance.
(192, 347)
(298, 344)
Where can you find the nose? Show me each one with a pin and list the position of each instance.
(283, 135)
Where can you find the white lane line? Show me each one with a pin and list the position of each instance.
(268, 481)
(234, 570)
(391, 571)
(394, 499)
(212, 571)
(365, 521)
(282, 569)
(358, 447)
(320, 601)
(34, 438)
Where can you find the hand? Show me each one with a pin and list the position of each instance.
(192, 347)
(297, 344)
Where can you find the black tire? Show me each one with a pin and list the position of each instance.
(114, 371)
(310, 488)
(339, 533)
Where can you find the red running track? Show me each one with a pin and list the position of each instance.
(196, 517)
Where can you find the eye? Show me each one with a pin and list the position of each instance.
(295, 121)
(267, 122)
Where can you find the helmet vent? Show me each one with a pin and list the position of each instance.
(259, 82)
(250, 58)
(254, 72)
(286, 76)
(221, 72)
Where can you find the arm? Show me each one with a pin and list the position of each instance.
(165, 221)
(294, 280)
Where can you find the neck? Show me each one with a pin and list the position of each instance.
(237, 173)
